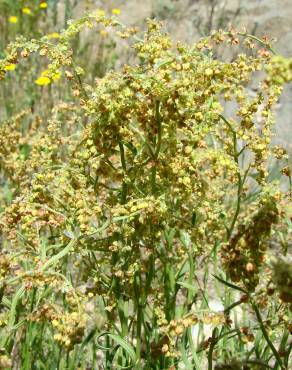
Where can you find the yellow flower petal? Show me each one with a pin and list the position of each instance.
(116, 11)
(13, 19)
(52, 77)
(26, 11)
(43, 5)
(43, 81)
(45, 73)
(10, 67)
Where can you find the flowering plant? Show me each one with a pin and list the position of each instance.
(117, 208)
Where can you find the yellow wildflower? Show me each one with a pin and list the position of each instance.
(45, 73)
(53, 77)
(10, 67)
(47, 77)
(13, 19)
(116, 11)
(43, 5)
(43, 81)
(26, 11)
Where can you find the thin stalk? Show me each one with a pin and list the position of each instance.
(139, 319)
(213, 343)
(139, 334)
(265, 44)
(159, 129)
(266, 335)
(241, 179)
(190, 280)
(67, 360)
(66, 14)
(59, 358)
(229, 308)
(123, 158)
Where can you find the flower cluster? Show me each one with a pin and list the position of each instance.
(244, 254)
(282, 278)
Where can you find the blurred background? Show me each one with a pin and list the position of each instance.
(99, 51)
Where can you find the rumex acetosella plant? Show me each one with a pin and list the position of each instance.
(124, 214)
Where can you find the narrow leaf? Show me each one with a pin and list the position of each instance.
(230, 285)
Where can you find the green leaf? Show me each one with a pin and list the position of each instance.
(184, 355)
(185, 239)
(192, 347)
(121, 343)
(230, 285)
(57, 257)
(88, 338)
(162, 63)
(187, 285)
(194, 218)
(14, 304)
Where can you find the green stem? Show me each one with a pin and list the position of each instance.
(211, 349)
(241, 180)
(266, 336)
(229, 308)
(139, 333)
(159, 129)
(66, 15)
(265, 44)
(139, 324)
(123, 158)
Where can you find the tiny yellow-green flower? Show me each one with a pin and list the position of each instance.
(209, 72)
